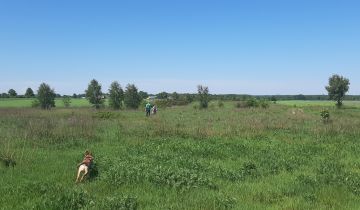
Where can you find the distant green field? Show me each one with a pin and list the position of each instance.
(303, 103)
(26, 102)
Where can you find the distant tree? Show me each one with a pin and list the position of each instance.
(162, 95)
(300, 97)
(4, 95)
(29, 93)
(337, 88)
(66, 101)
(203, 95)
(116, 95)
(74, 95)
(94, 94)
(46, 96)
(273, 99)
(175, 96)
(132, 98)
(143, 94)
(12, 93)
(189, 97)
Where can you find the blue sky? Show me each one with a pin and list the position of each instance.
(252, 47)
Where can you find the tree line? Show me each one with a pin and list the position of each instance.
(131, 97)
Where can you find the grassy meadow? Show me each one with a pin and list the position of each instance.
(283, 157)
(26, 102)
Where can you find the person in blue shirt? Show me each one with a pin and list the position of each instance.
(148, 109)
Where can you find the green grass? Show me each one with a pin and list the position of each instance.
(302, 103)
(26, 102)
(221, 158)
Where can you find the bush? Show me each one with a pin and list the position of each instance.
(325, 116)
(220, 104)
(203, 95)
(104, 115)
(67, 101)
(163, 103)
(240, 104)
(35, 103)
(264, 104)
(252, 102)
(8, 160)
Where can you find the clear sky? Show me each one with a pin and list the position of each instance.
(252, 47)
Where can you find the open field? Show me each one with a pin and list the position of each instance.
(221, 158)
(302, 103)
(26, 102)
(79, 102)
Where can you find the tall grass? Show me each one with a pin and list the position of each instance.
(182, 158)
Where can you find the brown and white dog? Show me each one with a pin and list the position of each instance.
(84, 166)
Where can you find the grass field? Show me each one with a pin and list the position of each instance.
(283, 157)
(302, 103)
(26, 102)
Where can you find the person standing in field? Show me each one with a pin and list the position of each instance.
(148, 109)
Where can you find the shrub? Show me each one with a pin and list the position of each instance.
(104, 115)
(8, 160)
(240, 104)
(220, 104)
(264, 104)
(252, 102)
(325, 116)
(67, 101)
(163, 103)
(203, 95)
(35, 103)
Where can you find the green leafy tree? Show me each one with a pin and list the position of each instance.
(66, 101)
(12, 93)
(132, 98)
(4, 95)
(116, 95)
(189, 97)
(29, 93)
(94, 94)
(162, 95)
(273, 99)
(337, 88)
(46, 96)
(203, 95)
(143, 94)
(175, 96)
